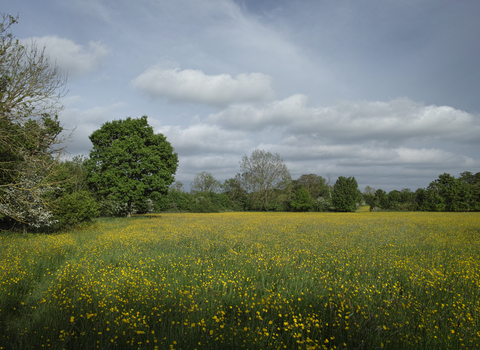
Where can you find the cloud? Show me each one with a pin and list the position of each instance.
(76, 59)
(367, 159)
(85, 122)
(253, 117)
(394, 121)
(205, 139)
(195, 86)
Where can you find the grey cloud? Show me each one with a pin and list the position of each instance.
(394, 121)
(205, 139)
(84, 122)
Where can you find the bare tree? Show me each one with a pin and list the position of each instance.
(263, 175)
(31, 87)
(177, 186)
(369, 190)
(204, 182)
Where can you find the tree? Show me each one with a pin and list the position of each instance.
(237, 195)
(31, 87)
(264, 175)
(204, 182)
(315, 185)
(369, 190)
(381, 198)
(394, 199)
(473, 181)
(302, 200)
(129, 163)
(448, 194)
(345, 194)
(369, 197)
(407, 199)
(177, 186)
(469, 178)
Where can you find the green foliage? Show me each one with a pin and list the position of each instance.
(444, 194)
(370, 200)
(473, 183)
(302, 200)
(75, 208)
(315, 185)
(237, 195)
(345, 194)
(394, 199)
(176, 201)
(199, 202)
(129, 163)
(73, 175)
(448, 194)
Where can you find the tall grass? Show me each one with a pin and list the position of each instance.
(246, 280)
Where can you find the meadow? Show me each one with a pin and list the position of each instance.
(247, 281)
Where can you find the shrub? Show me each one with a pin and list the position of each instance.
(75, 208)
(302, 200)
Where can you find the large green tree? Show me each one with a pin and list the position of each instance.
(129, 163)
(345, 194)
(448, 194)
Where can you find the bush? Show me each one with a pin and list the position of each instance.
(322, 204)
(302, 200)
(75, 208)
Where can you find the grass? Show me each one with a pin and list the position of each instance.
(246, 280)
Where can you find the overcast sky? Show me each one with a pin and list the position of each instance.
(386, 91)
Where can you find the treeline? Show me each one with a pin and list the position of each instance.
(309, 192)
(446, 193)
(314, 193)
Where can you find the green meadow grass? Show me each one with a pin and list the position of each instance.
(246, 280)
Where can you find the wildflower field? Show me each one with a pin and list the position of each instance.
(246, 280)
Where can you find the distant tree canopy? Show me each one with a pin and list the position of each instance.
(266, 178)
(446, 193)
(129, 163)
(315, 185)
(302, 201)
(204, 182)
(450, 194)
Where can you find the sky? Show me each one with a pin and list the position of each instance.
(385, 91)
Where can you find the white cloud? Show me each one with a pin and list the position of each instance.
(205, 139)
(253, 117)
(85, 122)
(393, 121)
(74, 58)
(195, 86)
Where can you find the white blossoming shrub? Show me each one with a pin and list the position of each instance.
(112, 207)
(26, 202)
